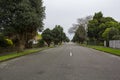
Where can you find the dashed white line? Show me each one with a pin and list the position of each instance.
(71, 54)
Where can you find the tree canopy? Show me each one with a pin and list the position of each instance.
(98, 25)
(57, 34)
(47, 36)
(95, 30)
(80, 35)
(21, 19)
(80, 29)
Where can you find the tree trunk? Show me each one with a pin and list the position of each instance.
(28, 45)
(21, 47)
(21, 44)
(107, 43)
(48, 43)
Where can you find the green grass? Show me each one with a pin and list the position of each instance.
(105, 49)
(15, 54)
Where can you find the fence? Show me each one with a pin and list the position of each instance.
(114, 44)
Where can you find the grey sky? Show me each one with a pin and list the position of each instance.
(66, 12)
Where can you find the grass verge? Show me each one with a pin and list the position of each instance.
(25, 52)
(105, 49)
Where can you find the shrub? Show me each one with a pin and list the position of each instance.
(41, 43)
(9, 42)
(5, 42)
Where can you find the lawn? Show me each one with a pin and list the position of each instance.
(106, 49)
(15, 54)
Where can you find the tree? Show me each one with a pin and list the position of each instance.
(57, 34)
(93, 30)
(98, 16)
(93, 26)
(4, 42)
(73, 29)
(80, 22)
(109, 34)
(98, 25)
(80, 35)
(21, 19)
(80, 29)
(41, 43)
(75, 38)
(47, 36)
(116, 37)
(65, 38)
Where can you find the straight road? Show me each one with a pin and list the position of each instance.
(68, 62)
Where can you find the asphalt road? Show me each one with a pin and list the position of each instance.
(68, 62)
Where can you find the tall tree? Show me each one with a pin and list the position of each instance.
(21, 19)
(80, 35)
(57, 34)
(80, 22)
(80, 29)
(109, 34)
(93, 26)
(47, 36)
(98, 25)
(65, 38)
(98, 16)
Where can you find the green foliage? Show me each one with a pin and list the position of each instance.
(67, 39)
(109, 33)
(58, 34)
(106, 49)
(21, 19)
(106, 33)
(9, 42)
(47, 36)
(80, 29)
(4, 42)
(95, 26)
(15, 54)
(39, 36)
(80, 22)
(93, 29)
(98, 16)
(80, 35)
(116, 37)
(41, 43)
(100, 26)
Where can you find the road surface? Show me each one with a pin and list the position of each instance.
(67, 62)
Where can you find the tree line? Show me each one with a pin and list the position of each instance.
(97, 29)
(20, 22)
(56, 35)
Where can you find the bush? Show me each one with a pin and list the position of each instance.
(41, 43)
(5, 42)
(9, 42)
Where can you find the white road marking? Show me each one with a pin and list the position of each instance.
(71, 54)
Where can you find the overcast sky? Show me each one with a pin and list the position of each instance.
(66, 12)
